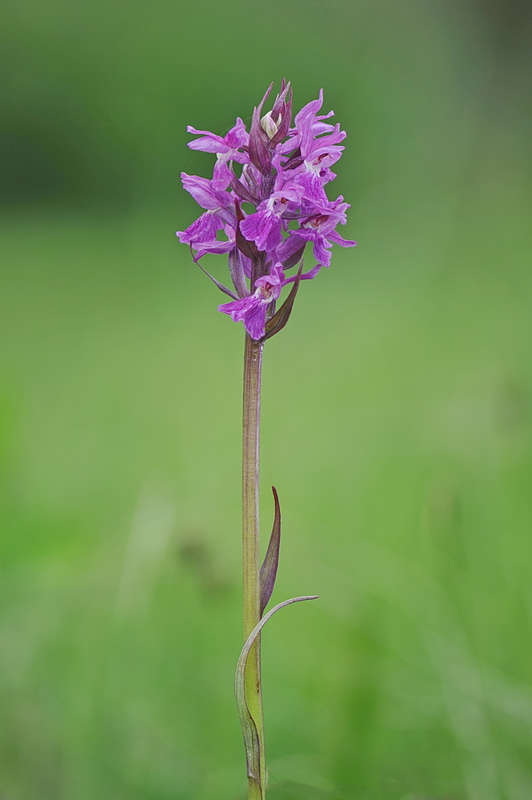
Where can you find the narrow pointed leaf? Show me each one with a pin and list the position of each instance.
(281, 317)
(295, 258)
(242, 192)
(268, 571)
(286, 115)
(236, 270)
(244, 245)
(258, 144)
(249, 729)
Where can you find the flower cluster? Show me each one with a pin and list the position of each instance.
(265, 202)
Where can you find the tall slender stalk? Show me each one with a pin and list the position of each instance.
(251, 544)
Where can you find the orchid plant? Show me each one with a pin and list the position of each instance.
(265, 202)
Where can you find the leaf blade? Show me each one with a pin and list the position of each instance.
(249, 728)
(268, 570)
(281, 317)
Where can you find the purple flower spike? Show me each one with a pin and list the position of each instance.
(265, 202)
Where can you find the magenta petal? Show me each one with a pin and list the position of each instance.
(238, 308)
(203, 191)
(255, 225)
(305, 276)
(323, 127)
(249, 310)
(214, 246)
(263, 228)
(208, 142)
(255, 321)
(222, 176)
(335, 237)
(320, 251)
(202, 230)
(312, 187)
(304, 117)
(238, 135)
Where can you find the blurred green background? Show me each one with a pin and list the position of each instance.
(397, 409)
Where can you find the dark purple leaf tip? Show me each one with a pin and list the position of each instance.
(268, 571)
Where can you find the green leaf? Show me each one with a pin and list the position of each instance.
(249, 729)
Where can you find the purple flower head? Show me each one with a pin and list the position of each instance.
(265, 202)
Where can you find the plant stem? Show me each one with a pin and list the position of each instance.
(250, 543)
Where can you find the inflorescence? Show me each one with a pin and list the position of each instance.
(267, 200)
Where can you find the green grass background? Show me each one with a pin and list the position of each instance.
(396, 422)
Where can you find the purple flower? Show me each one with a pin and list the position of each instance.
(227, 148)
(208, 195)
(252, 310)
(266, 201)
(212, 245)
(264, 227)
(320, 230)
(308, 125)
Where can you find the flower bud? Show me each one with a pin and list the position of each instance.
(269, 125)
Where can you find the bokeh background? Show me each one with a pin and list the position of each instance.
(397, 409)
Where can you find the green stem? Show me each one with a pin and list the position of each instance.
(250, 544)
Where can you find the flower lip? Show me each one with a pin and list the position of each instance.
(265, 292)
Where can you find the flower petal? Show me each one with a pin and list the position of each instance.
(335, 237)
(204, 192)
(249, 310)
(202, 230)
(263, 228)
